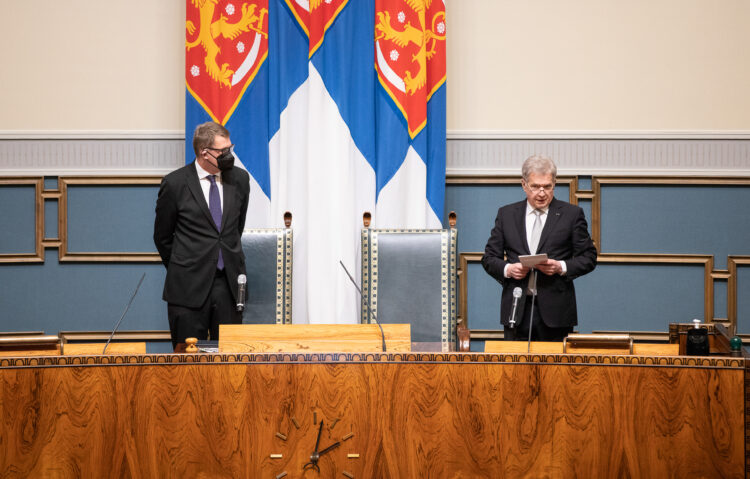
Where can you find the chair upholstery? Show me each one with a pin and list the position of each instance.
(268, 261)
(409, 276)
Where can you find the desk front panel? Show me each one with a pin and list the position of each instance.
(413, 415)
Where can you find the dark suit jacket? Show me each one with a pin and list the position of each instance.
(565, 237)
(187, 238)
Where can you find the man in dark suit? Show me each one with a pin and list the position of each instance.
(539, 224)
(200, 215)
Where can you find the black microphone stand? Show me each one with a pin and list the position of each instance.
(369, 310)
(533, 290)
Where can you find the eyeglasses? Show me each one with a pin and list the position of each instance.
(228, 149)
(539, 188)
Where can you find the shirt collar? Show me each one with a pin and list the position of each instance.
(530, 209)
(203, 173)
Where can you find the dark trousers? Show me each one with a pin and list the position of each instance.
(219, 308)
(539, 330)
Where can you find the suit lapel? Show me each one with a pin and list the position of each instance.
(194, 186)
(553, 215)
(521, 225)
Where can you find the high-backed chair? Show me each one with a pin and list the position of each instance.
(409, 276)
(268, 261)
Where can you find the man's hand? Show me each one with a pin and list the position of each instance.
(517, 271)
(549, 267)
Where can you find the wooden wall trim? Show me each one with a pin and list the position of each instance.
(66, 256)
(38, 255)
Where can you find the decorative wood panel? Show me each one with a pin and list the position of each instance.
(68, 256)
(38, 255)
(410, 415)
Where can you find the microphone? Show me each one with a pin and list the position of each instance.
(369, 310)
(241, 291)
(104, 351)
(532, 289)
(517, 292)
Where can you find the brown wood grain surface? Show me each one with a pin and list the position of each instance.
(548, 347)
(71, 349)
(409, 420)
(261, 338)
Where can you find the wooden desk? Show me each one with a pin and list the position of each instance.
(412, 415)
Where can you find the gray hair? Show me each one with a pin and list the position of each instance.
(204, 134)
(539, 164)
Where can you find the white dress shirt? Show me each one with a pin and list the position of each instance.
(206, 183)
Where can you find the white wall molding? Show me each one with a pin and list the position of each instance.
(689, 157)
(92, 134)
(111, 157)
(638, 156)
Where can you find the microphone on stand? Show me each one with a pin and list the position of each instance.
(123, 313)
(517, 292)
(369, 310)
(241, 291)
(532, 289)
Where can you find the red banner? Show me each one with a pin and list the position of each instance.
(410, 54)
(226, 42)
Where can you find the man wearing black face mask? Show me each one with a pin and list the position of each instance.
(200, 215)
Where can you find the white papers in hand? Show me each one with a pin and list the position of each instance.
(532, 260)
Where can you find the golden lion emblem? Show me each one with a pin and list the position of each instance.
(425, 38)
(209, 30)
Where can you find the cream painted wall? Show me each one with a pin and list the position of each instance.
(532, 65)
(87, 65)
(592, 65)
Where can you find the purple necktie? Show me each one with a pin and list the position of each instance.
(214, 206)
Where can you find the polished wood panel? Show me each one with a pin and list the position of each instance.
(71, 349)
(639, 349)
(34, 344)
(260, 338)
(437, 415)
(30, 351)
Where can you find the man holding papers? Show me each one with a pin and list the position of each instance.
(537, 226)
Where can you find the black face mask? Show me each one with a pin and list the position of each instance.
(225, 161)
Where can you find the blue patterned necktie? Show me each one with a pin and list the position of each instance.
(214, 206)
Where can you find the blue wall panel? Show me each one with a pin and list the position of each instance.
(743, 299)
(78, 296)
(676, 219)
(51, 183)
(17, 219)
(483, 301)
(688, 219)
(476, 207)
(50, 219)
(117, 218)
(612, 297)
(639, 297)
(720, 299)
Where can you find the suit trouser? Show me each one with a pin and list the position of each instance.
(540, 331)
(203, 322)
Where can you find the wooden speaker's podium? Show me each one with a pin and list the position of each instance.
(264, 338)
(399, 414)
